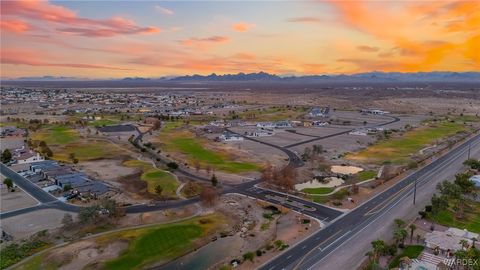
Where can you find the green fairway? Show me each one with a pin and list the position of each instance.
(174, 139)
(147, 245)
(411, 252)
(398, 149)
(320, 190)
(155, 177)
(161, 243)
(56, 135)
(195, 151)
(366, 175)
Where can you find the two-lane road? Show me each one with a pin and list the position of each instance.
(308, 253)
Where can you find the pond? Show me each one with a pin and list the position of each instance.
(328, 182)
(345, 169)
(208, 255)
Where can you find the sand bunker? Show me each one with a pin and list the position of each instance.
(345, 169)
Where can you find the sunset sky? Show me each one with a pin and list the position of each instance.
(105, 39)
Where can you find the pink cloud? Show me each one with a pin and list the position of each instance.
(304, 20)
(242, 27)
(34, 58)
(14, 26)
(204, 43)
(69, 22)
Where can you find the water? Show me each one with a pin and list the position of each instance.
(208, 255)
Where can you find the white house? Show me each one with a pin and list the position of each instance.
(260, 133)
(28, 157)
(282, 124)
(359, 132)
(265, 125)
(230, 137)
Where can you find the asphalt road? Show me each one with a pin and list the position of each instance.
(308, 253)
(394, 119)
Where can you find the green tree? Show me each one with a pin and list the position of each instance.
(378, 249)
(8, 182)
(399, 223)
(6, 156)
(214, 180)
(412, 230)
(158, 189)
(463, 181)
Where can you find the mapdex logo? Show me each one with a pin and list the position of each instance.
(461, 262)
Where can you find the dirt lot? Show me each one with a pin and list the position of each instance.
(14, 200)
(25, 225)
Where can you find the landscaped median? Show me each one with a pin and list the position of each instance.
(141, 246)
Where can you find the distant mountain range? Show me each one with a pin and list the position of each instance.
(375, 76)
(369, 76)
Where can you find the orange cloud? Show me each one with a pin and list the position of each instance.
(242, 27)
(14, 26)
(365, 48)
(35, 58)
(68, 20)
(204, 43)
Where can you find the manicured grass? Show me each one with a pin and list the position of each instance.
(411, 252)
(161, 243)
(195, 151)
(103, 122)
(398, 149)
(174, 140)
(320, 190)
(155, 177)
(471, 220)
(56, 135)
(86, 151)
(145, 245)
(366, 175)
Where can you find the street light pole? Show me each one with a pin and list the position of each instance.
(415, 191)
(469, 146)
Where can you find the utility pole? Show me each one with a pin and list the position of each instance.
(415, 191)
(469, 146)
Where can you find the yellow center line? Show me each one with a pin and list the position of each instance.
(385, 203)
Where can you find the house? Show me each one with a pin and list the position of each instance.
(282, 124)
(319, 123)
(230, 137)
(266, 125)
(476, 180)
(236, 123)
(374, 111)
(359, 132)
(43, 165)
(319, 112)
(27, 156)
(82, 185)
(260, 133)
(446, 241)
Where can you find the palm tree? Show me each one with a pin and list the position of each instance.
(378, 248)
(474, 240)
(412, 230)
(400, 223)
(464, 243)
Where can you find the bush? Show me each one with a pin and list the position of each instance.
(258, 253)
(428, 208)
(423, 214)
(249, 256)
(172, 165)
